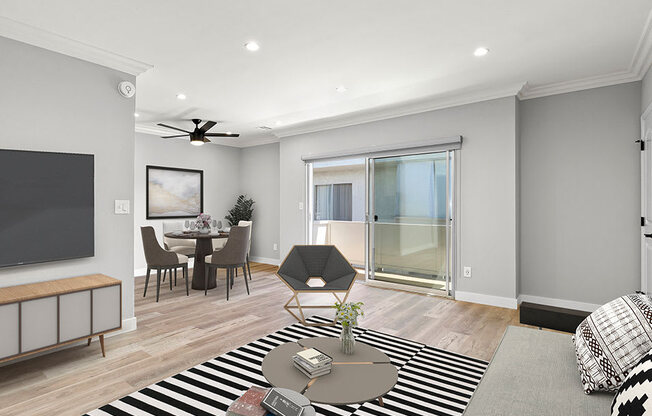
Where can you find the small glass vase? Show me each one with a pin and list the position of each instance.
(347, 340)
(204, 230)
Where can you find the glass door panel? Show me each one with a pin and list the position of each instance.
(411, 203)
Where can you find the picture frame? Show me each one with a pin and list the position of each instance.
(173, 192)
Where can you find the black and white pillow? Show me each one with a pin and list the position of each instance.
(634, 397)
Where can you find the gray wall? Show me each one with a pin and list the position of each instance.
(488, 182)
(646, 95)
(220, 164)
(51, 102)
(259, 179)
(580, 194)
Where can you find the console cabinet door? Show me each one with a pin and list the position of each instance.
(106, 308)
(9, 330)
(38, 324)
(74, 315)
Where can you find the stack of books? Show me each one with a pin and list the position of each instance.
(312, 362)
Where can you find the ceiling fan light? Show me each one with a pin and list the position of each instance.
(196, 142)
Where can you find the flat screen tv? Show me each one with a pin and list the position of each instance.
(46, 207)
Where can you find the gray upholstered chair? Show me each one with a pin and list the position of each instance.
(231, 257)
(249, 224)
(161, 259)
(316, 261)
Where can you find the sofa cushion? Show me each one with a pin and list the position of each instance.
(534, 372)
(612, 340)
(634, 396)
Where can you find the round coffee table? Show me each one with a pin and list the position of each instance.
(360, 377)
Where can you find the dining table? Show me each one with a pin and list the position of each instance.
(203, 247)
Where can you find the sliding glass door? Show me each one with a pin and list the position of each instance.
(411, 233)
(392, 217)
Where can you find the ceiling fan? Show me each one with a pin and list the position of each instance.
(198, 136)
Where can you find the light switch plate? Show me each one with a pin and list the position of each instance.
(300, 205)
(122, 206)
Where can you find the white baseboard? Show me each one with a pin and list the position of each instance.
(501, 302)
(560, 303)
(265, 260)
(128, 325)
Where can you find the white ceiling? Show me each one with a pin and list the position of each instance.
(386, 52)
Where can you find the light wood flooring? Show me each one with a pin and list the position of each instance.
(180, 332)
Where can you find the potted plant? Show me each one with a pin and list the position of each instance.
(347, 315)
(242, 211)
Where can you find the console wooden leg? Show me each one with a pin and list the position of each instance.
(102, 345)
(89, 342)
(380, 401)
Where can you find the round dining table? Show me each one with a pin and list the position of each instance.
(203, 247)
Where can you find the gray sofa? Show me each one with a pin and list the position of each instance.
(534, 372)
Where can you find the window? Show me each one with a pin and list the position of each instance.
(333, 202)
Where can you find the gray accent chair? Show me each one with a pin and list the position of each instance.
(249, 224)
(325, 262)
(231, 257)
(161, 259)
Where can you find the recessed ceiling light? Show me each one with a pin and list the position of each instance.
(136, 115)
(279, 123)
(264, 128)
(252, 46)
(340, 88)
(481, 52)
(181, 96)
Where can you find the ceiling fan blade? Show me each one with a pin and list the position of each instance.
(222, 135)
(207, 126)
(206, 140)
(174, 137)
(173, 128)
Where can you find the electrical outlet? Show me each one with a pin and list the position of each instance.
(300, 205)
(467, 271)
(275, 246)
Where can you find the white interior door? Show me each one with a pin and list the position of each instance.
(646, 201)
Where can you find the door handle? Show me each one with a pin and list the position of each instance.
(648, 235)
(376, 219)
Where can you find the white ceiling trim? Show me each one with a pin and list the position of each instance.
(400, 110)
(43, 39)
(641, 62)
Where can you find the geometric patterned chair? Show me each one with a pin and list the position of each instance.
(325, 262)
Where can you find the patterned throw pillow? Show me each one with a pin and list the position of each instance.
(610, 341)
(634, 397)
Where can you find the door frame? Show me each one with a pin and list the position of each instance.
(646, 194)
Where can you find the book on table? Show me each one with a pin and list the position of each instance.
(314, 358)
(249, 403)
(315, 374)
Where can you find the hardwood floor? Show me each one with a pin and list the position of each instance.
(180, 332)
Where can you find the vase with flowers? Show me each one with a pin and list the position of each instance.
(347, 315)
(203, 223)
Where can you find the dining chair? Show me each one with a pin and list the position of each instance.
(160, 259)
(250, 224)
(178, 245)
(231, 257)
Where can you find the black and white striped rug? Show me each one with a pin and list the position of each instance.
(431, 381)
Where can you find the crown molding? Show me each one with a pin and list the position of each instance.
(598, 81)
(432, 103)
(640, 64)
(47, 40)
(643, 55)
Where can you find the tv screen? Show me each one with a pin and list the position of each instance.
(46, 207)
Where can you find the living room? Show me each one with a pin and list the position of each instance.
(469, 185)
